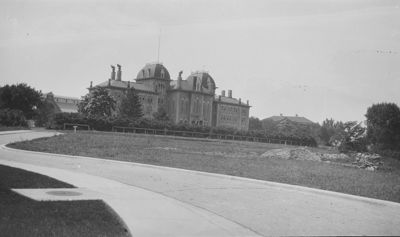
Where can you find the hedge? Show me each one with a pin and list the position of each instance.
(12, 117)
(107, 123)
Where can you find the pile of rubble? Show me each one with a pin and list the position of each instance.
(334, 156)
(367, 161)
(300, 153)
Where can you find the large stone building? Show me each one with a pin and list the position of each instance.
(192, 100)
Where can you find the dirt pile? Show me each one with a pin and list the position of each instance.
(368, 161)
(334, 156)
(300, 153)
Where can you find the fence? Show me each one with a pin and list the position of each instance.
(209, 135)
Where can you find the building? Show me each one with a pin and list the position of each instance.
(62, 103)
(295, 119)
(190, 101)
(282, 122)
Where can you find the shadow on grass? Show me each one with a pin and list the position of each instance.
(21, 216)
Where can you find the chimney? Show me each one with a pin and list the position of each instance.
(230, 93)
(219, 98)
(112, 72)
(109, 82)
(281, 115)
(91, 84)
(297, 115)
(240, 101)
(119, 72)
(247, 102)
(223, 93)
(179, 82)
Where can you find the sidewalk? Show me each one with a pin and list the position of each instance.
(145, 213)
(266, 208)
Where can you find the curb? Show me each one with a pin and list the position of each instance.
(290, 187)
(15, 132)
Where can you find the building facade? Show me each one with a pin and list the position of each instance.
(190, 101)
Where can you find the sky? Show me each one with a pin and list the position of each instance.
(314, 58)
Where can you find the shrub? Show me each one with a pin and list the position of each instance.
(20, 97)
(12, 117)
(103, 123)
(383, 123)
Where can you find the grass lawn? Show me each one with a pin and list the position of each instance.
(21, 216)
(3, 128)
(226, 157)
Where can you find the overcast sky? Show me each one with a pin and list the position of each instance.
(315, 58)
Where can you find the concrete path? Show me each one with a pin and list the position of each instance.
(265, 208)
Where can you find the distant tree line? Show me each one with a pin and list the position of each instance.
(20, 102)
(381, 133)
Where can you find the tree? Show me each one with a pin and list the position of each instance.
(131, 106)
(20, 97)
(350, 138)
(383, 125)
(255, 124)
(329, 129)
(269, 126)
(45, 114)
(97, 103)
(161, 115)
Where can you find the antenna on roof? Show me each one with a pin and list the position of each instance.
(159, 43)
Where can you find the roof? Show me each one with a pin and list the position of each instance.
(229, 100)
(124, 85)
(296, 119)
(67, 107)
(153, 70)
(200, 79)
(207, 81)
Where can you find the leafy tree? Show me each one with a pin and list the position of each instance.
(45, 114)
(131, 106)
(12, 117)
(383, 125)
(161, 115)
(351, 137)
(97, 103)
(329, 129)
(255, 124)
(20, 97)
(269, 126)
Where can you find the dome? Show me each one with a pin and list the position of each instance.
(153, 70)
(203, 79)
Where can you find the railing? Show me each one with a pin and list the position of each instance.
(210, 135)
(66, 125)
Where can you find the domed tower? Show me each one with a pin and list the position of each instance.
(201, 81)
(157, 76)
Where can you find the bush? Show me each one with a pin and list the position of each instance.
(383, 123)
(102, 123)
(12, 117)
(20, 97)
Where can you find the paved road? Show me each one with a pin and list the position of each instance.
(259, 207)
